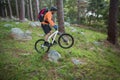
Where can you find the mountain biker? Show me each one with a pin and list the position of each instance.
(48, 23)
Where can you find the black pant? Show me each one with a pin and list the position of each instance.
(46, 28)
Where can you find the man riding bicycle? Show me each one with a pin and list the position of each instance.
(48, 23)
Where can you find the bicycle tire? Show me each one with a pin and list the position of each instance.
(68, 35)
(38, 46)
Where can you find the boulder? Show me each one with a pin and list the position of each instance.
(54, 56)
(17, 23)
(26, 19)
(35, 24)
(6, 19)
(32, 24)
(67, 24)
(15, 19)
(9, 19)
(74, 30)
(18, 34)
(27, 32)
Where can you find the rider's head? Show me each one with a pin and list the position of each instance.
(53, 10)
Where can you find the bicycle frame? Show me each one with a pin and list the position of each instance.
(53, 35)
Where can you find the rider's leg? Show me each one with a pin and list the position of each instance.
(47, 35)
(47, 31)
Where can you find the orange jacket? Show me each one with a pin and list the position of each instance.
(48, 17)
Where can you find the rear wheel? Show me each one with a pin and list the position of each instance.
(66, 41)
(39, 46)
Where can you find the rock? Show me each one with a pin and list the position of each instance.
(35, 24)
(82, 33)
(26, 20)
(32, 24)
(77, 61)
(6, 19)
(67, 24)
(73, 29)
(28, 32)
(9, 19)
(18, 34)
(17, 22)
(15, 19)
(54, 56)
(28, 35)
(8, 25)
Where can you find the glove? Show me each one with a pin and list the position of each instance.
(55, 27)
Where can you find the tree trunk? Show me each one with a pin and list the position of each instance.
(17, 10)
(60, 14)
(5, 8)
(22, 10)
(78, 6)
(28, 10)
(112, 25)
(31, 10)
(36, 9)
(10, 9)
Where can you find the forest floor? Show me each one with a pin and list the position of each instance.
(20, 61)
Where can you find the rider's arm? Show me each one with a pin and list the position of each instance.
(49, 18)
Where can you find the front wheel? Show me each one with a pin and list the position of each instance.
(39, 46)
(66, 41)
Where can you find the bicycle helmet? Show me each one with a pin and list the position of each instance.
(53, 9)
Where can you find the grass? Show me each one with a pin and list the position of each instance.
(101, 58)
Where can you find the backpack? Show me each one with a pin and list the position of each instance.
(42, 14)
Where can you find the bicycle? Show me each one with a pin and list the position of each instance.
(65, 41)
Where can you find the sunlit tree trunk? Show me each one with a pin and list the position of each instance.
(60, 15)
(17, 10)
(28, 10)
(36, 9)
(22, 10)
(112, 25)
(31, 10)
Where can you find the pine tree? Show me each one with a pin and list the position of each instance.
(17, 10)
(10, 9)
(36, 9)
(22, 10)
(112, 25)
(60, 13)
